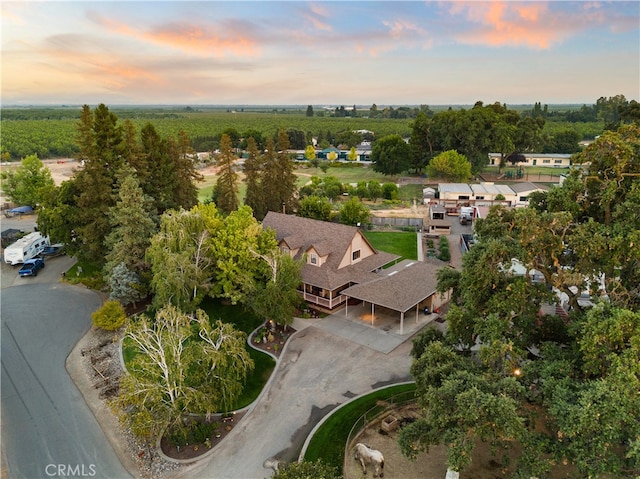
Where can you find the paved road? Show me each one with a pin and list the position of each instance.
(47, 428)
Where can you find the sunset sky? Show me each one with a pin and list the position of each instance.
(320, 53)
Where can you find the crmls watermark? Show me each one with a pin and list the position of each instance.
(70, 470)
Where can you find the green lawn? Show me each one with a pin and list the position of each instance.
(205, 188)
(410, 192)
(400, 243)
(346, 174)
(329, 441)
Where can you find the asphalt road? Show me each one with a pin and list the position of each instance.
(47, 428)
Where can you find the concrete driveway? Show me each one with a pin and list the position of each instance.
(317, 372)
(47, 428)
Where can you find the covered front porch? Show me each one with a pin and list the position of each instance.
(325, 299)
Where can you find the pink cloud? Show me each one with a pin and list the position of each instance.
(532, 24)
(193, 38)
(318, 16)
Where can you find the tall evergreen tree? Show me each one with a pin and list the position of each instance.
(252, 171)
(160, 181)
(278, 180)
(268, 179)
(227, 185)
(132, 225)
(101, 148)
(186, 173)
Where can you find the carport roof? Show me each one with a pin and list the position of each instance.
(400, 287)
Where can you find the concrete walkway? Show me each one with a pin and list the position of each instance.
(383, 335)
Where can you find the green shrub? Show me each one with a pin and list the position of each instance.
(110, 316)
(444, 255)
(193, 433)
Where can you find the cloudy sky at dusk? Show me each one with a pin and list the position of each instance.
(335, 52)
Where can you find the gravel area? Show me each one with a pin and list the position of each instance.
(95, 366)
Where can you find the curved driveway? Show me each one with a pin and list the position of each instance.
(317, 372)
(47, 428)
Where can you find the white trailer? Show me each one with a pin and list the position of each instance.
(27, 247)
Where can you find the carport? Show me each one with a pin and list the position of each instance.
(406, 286)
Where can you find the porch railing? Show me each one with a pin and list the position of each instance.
(324, 302)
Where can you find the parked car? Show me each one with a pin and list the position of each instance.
(31, 267)
(53, 250)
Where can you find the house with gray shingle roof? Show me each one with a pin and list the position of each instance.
(406, 287)
(336, 256)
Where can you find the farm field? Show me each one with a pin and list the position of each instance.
(54, 137)
(51, 132)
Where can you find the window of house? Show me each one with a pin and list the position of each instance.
(313, 259)
(480, 197)
(546, 161)
(558, 162)
(524, 198)
(462, 197)
(355, 255)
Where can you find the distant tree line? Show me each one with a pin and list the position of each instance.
(49, 132)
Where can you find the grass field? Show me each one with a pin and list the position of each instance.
(402, 244)
(345, 174)
(329, 440)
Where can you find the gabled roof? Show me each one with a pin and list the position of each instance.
(525, 186)
(400, 287)
(454, 188)
(328, 239)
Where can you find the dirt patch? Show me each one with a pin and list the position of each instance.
(416, 211)
(271, 338)
(223, 424)
(432, 464)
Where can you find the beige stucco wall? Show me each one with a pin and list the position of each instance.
(357, 243)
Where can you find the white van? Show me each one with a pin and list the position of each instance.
(25, 248)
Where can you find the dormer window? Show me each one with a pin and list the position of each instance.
(313, 259)
(355, 255)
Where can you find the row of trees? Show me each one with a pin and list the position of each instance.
(613, 111)
(565, 389)
(83, 211)
(132, 210)
(481, 130)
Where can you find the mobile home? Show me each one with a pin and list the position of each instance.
(25, 248)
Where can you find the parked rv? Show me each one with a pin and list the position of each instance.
(26, 248)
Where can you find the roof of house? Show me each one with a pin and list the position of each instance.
(400, 287)
(525, 186)
(327, 239)
(454, 188)
(491, 189)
